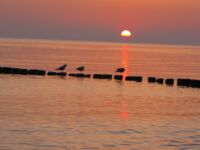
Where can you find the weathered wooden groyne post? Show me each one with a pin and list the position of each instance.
(188, 83)
(118, 77)
(102, 76)
(10, 70)
(51, 73)
(7, 70)
(20, 71)
(134, 78)
(160, 80)
(152, 79)
(37, 72)
(80, 75)
(169, 82)
(183, 82)
(195, 83)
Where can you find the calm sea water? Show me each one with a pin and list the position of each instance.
(68, 113)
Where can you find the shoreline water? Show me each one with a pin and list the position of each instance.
(45, 112)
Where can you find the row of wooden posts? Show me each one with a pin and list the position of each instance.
(170, 82)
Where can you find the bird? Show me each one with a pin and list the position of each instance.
(120, 70)
(81, 68)
(62, 67)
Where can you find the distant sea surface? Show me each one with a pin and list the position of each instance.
(48, 113)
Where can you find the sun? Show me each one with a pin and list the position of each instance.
(126, 33)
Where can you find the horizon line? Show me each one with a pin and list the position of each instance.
(98, 41)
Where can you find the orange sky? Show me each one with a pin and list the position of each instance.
(157, 21)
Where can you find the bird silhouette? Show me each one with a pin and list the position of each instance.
(121, 70)
(81, 68)
(62, 67)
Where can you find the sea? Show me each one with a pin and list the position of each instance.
(68, 113)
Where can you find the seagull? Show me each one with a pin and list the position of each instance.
(81, 68)
(120, 70)
(62, 67)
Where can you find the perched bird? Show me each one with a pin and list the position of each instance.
(120, 70)
(81, 68)
(62, 67)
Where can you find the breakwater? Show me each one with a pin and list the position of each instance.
(180, 82)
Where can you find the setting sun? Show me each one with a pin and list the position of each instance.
(126, 33)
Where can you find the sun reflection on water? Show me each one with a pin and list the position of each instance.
(125, 59)
(124, 113)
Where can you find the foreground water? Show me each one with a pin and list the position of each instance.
(68, 113)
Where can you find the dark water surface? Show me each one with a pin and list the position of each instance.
(68, 113)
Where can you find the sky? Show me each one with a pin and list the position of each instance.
(150, 21)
